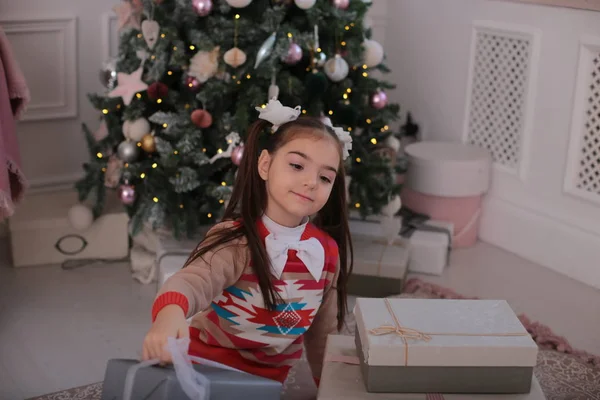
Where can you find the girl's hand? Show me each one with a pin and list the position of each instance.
(170, 322)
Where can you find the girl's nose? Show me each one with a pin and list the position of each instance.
(311, 181)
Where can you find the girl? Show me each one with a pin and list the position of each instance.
(266, 281)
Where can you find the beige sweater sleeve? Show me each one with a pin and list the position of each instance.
(324, 324)
(206, 277)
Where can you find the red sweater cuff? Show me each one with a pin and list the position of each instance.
(169, 298)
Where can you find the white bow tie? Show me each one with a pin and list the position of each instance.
(309, 251)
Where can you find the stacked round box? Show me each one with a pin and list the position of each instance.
(447, 181)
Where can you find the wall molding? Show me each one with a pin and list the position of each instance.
(593, 5)
(65, 29)
(562, 247)
(109, 24)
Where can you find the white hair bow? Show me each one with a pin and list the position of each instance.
(278, 114)
(344, 137)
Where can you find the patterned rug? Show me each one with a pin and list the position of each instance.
(563, 372)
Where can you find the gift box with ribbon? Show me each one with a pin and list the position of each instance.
(443, 346)
(205, 380)
(430, 242)
(342, 379)
(427, 242)
(380, 261)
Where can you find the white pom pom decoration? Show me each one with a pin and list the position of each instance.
(373, 55)
(391, 208)
(136, 130)
(80, 217)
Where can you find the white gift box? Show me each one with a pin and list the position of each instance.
(41, 233)
(172, 254)
(429, 250)
(342, 379)
(444, 346)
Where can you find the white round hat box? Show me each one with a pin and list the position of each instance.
(447, 181)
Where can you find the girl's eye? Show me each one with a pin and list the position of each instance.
(296, 166)
(325, 179)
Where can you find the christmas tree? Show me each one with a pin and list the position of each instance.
(184, 88)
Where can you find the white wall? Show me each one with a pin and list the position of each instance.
(59, 45)
(531, 209)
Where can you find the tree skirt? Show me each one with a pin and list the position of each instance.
(563, 372)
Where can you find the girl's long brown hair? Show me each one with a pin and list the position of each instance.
(248, 203)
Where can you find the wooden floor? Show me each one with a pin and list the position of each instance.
(58, 328)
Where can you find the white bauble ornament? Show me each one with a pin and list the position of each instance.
(336, 68)
(80, 217)
(373, 55)
(393, 143)
(391, 208)
(239, 3)
(137, 129)
(305, 4)
(234, 57)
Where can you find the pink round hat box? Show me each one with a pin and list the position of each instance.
(447, 181)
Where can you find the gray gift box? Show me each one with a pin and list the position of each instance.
(380, 267)
(342, 379)
(160, 383)
(443, 346)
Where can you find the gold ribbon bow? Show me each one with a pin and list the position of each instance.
(407, 334)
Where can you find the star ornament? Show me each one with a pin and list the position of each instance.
(129, 85)
(128, 15)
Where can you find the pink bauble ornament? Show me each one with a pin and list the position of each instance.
(379, 100)
(237, 154)
(193, 84)
(202, 7)
(294, 54)
(341, 4)
(127, 194)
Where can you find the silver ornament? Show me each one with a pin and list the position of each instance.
(266, 49)
(128, 151)
(319, 59)
(108, 74)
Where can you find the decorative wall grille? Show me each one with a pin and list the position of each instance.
(501, 64)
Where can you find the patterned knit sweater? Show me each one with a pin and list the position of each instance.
(229, 321)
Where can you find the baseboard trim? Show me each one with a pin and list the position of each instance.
(53, 183)
(541, 239)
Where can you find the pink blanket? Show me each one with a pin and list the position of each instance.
(14, 97)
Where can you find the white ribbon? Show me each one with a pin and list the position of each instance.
(194, 384)
(309, 251)
(278, 114)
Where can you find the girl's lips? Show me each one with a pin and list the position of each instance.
(303, 197)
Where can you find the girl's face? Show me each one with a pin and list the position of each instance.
(299, 177)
